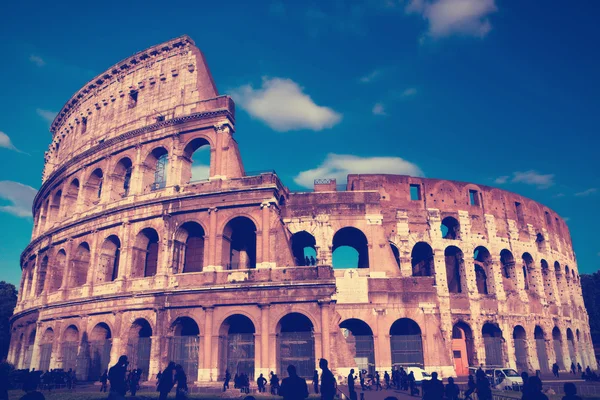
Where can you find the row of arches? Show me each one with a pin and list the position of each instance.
(82, 193)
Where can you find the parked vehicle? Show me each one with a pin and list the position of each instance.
(419, 373)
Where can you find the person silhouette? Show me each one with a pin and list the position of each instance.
(293, 387)
(261, 382)
(316, 382)
(351, 389)
(471, 387)
(451, 390)
(166, 381)
(328, 385)
(313, 261)
(226, 381)
(181, 379)
(570, 392)
(306, 261)
(433, 389)
(117, 376)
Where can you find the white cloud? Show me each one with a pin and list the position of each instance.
(449, 17)
(371, 76)
(6, 142)
(338, 166)
(19, 196)
(37, 60)
(531, 177)
(587, 192)
(46, 114)
(501, 179)
(409, 92)
(282, 105)
(379, 109)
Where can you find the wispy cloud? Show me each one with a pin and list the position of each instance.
(282, 104)
(19, 196)
(379, 109)
(531, 177)
(47, 115)
(587, 192)
(37, 60)
(338, 166)
(371, 76)
(559, 195)
(6, 143)
(409, 92)
(454, 17)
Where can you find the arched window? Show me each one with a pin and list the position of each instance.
(70, 198)
(138, 346)
(155, 169)
(508, 270)
(450, 228)
(188, 249)
(520, 342)
(455, 267)
(571, 344)
(483, 264)
(93, 187)
(295, 344)
(46, 349)
(237, 333)
(121, 179)
(422, 260)
(548, 291)
(527, 270)
(100, 346)
(406, 343)
(462, 348)
(196, 161)
(42, 271)
(70, 347)
(80, 266)
(350, 249)
(396, 253)
(145, 254)
(55, 206)
(239, 244)
(184, 345)
(493, 341)
(359, 340)
(304, 248)
(110, 255)
(540, 346)
(57, 271)
(558, 350)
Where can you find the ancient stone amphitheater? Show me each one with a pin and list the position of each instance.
(132, 255)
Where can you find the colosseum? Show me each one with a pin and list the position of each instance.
(131, 254)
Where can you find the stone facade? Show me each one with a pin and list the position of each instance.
(128, 255)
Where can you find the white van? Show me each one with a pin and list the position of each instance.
(506, 379)
(419, 373)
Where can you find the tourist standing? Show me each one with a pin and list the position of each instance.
(117, 376)
(316, 382)
(570, 392)
(386, 378)
(261, 382)
(433, 389)
(328, 385)
(104, 381)
(181, 379)
(471, 387)
(411, 383)
(555, 369)
(293, 387)
(166, 381)
(351, 389)
(534, 391)
(452, 391)
(227, 379)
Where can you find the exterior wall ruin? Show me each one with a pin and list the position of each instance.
(448, 274)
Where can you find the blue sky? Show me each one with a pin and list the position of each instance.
(488, 91)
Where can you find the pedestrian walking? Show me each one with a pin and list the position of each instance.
(316, 381)
(226, 380)
(181, 380)
(104, 381)
(328, 385)
(293, 387)
(117, 376)
(555, 369)
(166, 382)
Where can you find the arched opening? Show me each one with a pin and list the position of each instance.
(548, 291)
(155, 169)
(70, 347)
(121, 179)
(406, 343)
(56, 273)
(42, 271)
(188, 254)
(540, 242)
(304, 248)
(70, 198)
(46, 349)
(450, 228)
(508, 270)
(558, 351)
(520, 341)
(422, 260)
(571, 344)
(184, 346)
(350, 249)
(527, 271)
(196, 161)
(30, 266)
(80, 266)
(540, 346)
(396, 253)
(559, 281)
(462, 348)
(359, 340)
(145, 254)
(43, 214)
(236, 339)
(28, 350)
(55, 206)
(239, 244)
(455, 269)
(483, 266)
(138, 346)
(295, 344)
(493, 340)
(100, 346)
(110, 254)
(93, 187)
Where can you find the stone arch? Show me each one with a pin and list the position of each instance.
(236, 339)
(80, 265)
(359, 341)
(450, 228)
(184, 343)
(57, 271)
(462, 348)
(196, 160)
(295, 344)
(558, 348)
(304, 246)
(138, 346)
(528, 271)
(422, 260)
(121, 179)
(455, 270)
(70, 347)
(55, 206)
(100, 345)
(46, 343)
(493, 342)
(395, 253)
(444, 193)
(540, 346)
(92, 190)
(350, 244)
(145, 253)
(521, 351)
(571, 345)
(508, 270)
(483, 269)
(29, 345)
(70, 195)
(110, 255)
(406, 343)
(188, 252)
(155, 168)
(548, 290)
(239, 243)
(42, 272)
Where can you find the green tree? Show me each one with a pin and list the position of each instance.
(8, 300)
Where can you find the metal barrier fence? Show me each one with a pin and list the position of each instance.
(297, 348)
(407, 350)
(138, 352)
(183, 350)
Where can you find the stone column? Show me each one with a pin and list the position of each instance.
(218, 153)
(383, 350)
(35, 353)
(264, 339)
(325, 329)
(118, 336)
(205, 372)
(265, 237)
(212, 240)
